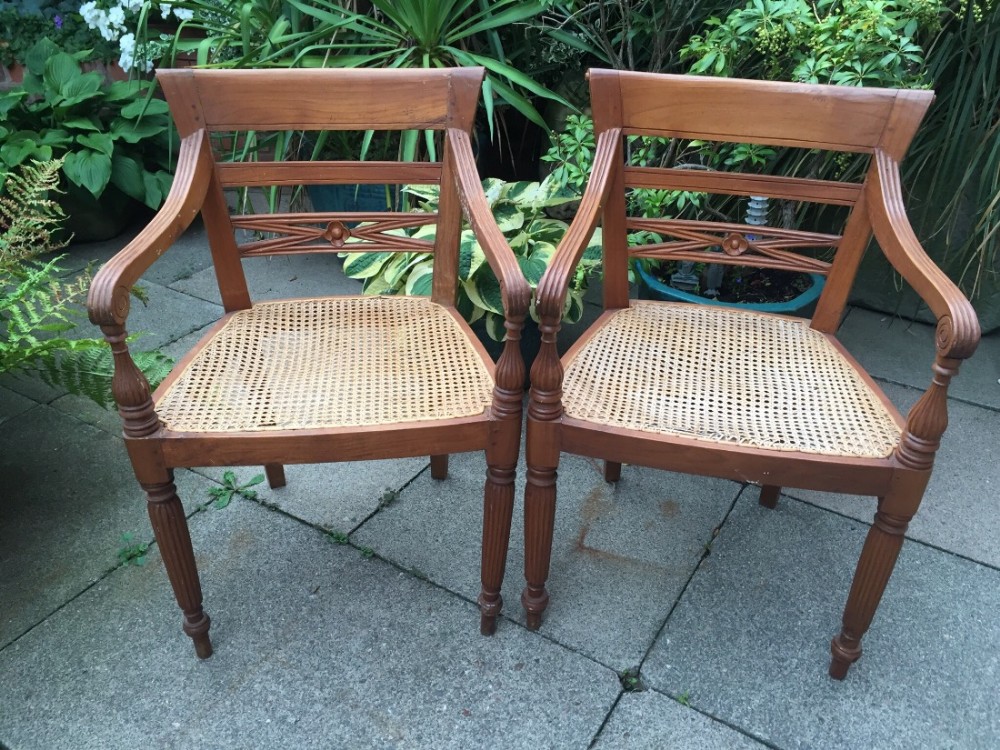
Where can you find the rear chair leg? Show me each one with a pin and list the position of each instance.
(769, 495)
(174, 541)
(612, 471)
(878, 558)
(439, 467)
(275, 475)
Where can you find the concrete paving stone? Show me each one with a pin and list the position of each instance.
(13, 403)
(168, 316)
(188, 255)
(621, 554)
(315, 647)
(651, 720)
(335, 496)
(749, 640)
(278, 277)
(959, 512)
(903, 351)
(68, 496)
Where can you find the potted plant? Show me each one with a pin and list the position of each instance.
(520, 211)
(112, 139)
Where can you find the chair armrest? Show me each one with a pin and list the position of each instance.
(958, 330)
(514, 289)
(109, 297)
(553, 287)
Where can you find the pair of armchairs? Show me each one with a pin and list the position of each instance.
(747, 396)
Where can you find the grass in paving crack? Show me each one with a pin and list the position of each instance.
(684, 698)
(231, 488)
(132, 552)
(389, 496)
(338, 537)
(367, 552)
(631, 680)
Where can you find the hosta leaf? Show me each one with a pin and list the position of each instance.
(573, 310)
(509, 217)
(365, 265)
(97, 141)
(88, 169)
(484, 291)
(420, 280)
(126, 175)
(495, 327)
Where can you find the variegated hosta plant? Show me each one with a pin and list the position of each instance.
(519, 210)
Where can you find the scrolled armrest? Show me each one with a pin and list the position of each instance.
(958, 330)
(108, 300)
(550, 296)
(514, 289)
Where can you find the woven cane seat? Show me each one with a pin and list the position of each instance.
(329, 362)
(726, 376)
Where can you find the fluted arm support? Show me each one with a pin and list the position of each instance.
(957, 325)
(515, 291)
(110, 292)
(550, 296)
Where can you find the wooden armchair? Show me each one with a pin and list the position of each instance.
(329, 378)
(747, 396)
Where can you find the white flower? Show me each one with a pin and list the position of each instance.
(116, 17)
(183, 14)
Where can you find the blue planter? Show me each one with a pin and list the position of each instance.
(340, 198)
(658, 290)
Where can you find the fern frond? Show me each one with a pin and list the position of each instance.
(28, 217)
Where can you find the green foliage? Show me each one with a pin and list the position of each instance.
(519, 210)
(38, 308)
(844, 42)
(24, 23)
(104, 133)
(630, 34)
(132, 552)
(338, 537)
(954, 163)
(231, 487)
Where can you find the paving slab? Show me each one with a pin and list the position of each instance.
(315, 647)
(651, 720)
(188, 255)
(335, 496)
(621, 553)
(749, 640)
(959, 512)
(13, 403)
(903, 351)
(68, 496)
(278, 276)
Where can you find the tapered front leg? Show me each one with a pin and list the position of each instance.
(875, 566)
(170, 527)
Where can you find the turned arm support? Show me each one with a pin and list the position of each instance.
(514, 289)
(957, 325)
(109, 297)
(550, 296)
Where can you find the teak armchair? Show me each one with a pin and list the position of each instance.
(747, 396)
(330, 378)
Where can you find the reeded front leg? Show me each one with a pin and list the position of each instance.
(502, 452)
(170, 527)
(275, 475)
(875, 566)
(542, 454)
(439, 467)
(539, 522)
